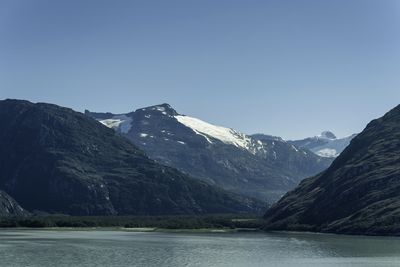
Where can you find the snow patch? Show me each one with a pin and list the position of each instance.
(111, 123)
(121, 123)
(226, 135)
(327, 152)
(161, 109)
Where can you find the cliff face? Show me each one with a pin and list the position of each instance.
(9, 207)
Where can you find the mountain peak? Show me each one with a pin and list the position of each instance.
(328, 134)
(102, 172)
(164, 108)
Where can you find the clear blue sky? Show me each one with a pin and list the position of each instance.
(288, 68)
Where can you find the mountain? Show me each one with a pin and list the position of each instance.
(56, 160)
(325, 145)
(249, 165)
(358, 194)
(9, 207)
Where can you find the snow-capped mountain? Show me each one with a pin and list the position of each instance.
(325, 145)
(56, 160)
(264, 168)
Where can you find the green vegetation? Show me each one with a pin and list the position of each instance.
(165, 222)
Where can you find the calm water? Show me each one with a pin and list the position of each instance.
(114, 248)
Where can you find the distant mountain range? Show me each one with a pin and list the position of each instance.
(56, 160)
(358, 194)
(325, 145)
(258, 166)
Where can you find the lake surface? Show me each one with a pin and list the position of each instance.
(118, 248)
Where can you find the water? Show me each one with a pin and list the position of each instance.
(118, 248)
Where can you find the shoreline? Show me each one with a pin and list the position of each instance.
(185, 230)
(135, 229)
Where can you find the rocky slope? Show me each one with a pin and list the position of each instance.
(358, 194)
(256, 166)
(9, 207)
(56, 160)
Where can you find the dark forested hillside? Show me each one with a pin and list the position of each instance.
(358, 194)
(56, 160)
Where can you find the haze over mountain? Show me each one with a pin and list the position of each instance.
(358, 194)
(56, 160)
(325, 145)
(253, 166)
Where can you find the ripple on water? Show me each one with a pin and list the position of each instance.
(117, 248)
